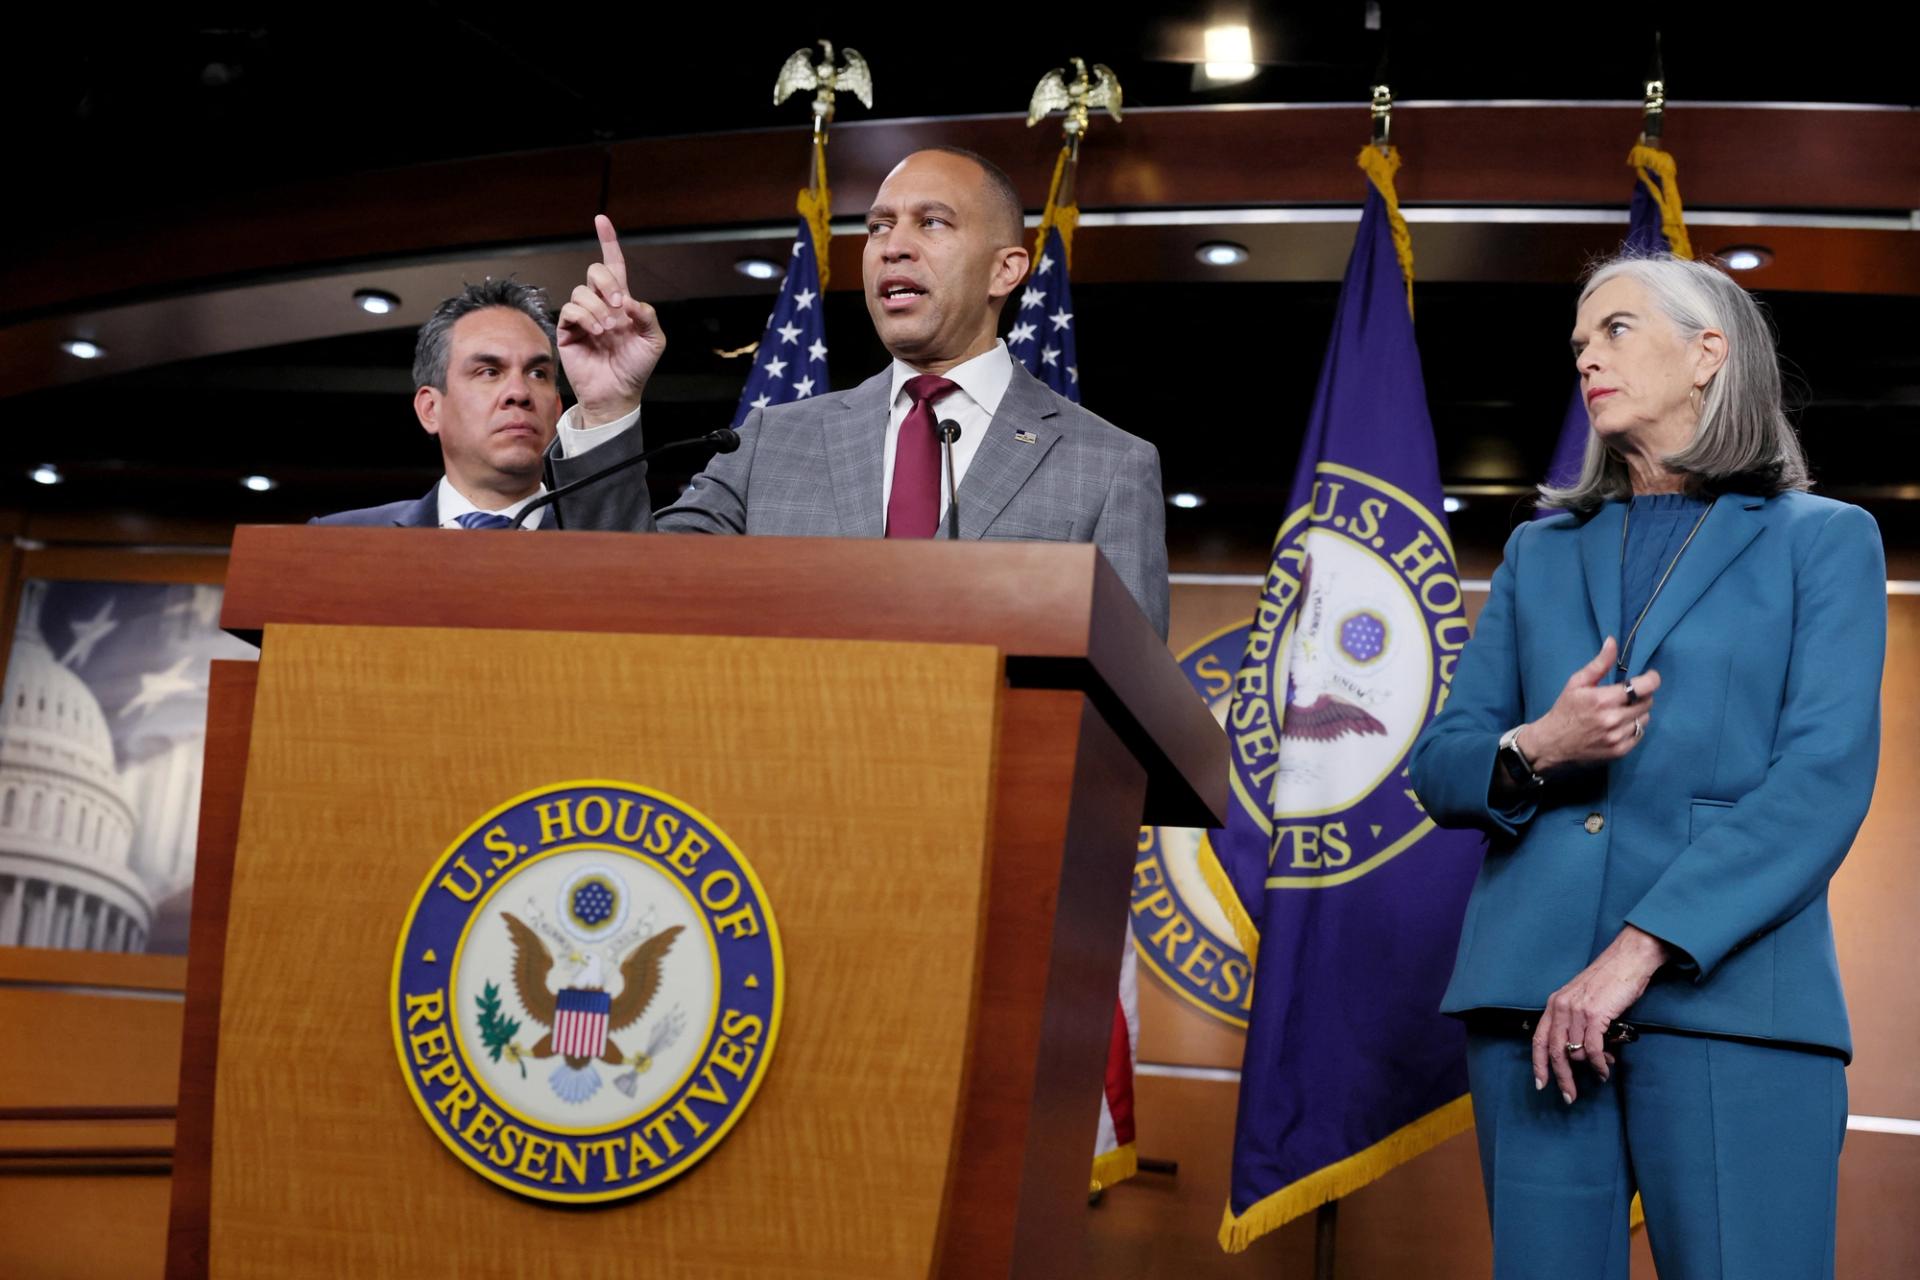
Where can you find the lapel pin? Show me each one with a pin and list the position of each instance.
(1026, 437)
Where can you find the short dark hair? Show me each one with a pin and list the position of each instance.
(430, 350)
(1000, 192)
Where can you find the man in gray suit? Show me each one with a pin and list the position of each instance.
(944, 252)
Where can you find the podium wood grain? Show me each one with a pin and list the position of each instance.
(855, 776)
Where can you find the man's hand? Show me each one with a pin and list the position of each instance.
(609, 342)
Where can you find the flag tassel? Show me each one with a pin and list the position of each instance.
(1648, 160)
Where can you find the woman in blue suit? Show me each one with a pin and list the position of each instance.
(1667, 723)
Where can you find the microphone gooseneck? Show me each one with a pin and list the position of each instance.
(723, 440)
(949, 432)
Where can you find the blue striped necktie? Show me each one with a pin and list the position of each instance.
(483, 520)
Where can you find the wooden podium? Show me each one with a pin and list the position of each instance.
(936, 755)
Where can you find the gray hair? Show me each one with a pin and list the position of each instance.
(430, 351)
(1744, 442)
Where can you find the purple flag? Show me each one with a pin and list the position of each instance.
(1356, 896)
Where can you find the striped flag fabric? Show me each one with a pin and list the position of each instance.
(580, 1022)
(1042, 339)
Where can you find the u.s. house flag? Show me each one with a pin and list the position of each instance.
(1339, 885)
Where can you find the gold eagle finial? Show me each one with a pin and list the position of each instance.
(1077, 97)
(852, 75)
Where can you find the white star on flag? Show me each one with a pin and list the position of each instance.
(803, 388)
(1033, 298)
(1054, 360)
(794, 322)
(157, 686)
(89, 632)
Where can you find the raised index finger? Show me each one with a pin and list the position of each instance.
(610, 248)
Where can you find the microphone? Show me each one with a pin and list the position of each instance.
(949, 432)
(724, 440)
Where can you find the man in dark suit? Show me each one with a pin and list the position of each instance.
(486, 386)
(944, 251)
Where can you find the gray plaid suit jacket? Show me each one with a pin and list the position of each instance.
(1047, 471)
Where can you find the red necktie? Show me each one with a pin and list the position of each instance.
(913, 505)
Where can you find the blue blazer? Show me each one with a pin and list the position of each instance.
(1719, 832)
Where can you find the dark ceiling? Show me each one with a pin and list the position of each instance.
(175, 102)
(164, 106)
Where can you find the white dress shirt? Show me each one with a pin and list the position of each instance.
(574, 441)
(983, 381)
(454, 504)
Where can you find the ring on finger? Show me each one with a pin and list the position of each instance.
(1573, 1047)
(1640, 727)
(1632, 697)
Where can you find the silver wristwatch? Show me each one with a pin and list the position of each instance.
(1515, 760)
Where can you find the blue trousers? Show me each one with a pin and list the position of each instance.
(1734, 1148)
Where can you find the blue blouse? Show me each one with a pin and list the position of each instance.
(1657, 527)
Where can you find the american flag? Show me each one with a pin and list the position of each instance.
(580, 1022)
(791, 362)
(1042, 333)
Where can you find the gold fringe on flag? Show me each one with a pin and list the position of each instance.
(1345, 1176)
(1065, 216)
(1652, 160)
(1245, 932)
(1114, 1166)
(1380, 164)
(816, 206)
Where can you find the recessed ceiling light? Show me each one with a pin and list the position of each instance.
(375, 302)
(1221, 253)
(1229, 54)
(1452, 504)
(81, 349)
(1187, 501)
(259, 484)
(46, 473)
(1745, 257)
(757, 268)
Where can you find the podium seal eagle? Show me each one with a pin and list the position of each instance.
(586, 991)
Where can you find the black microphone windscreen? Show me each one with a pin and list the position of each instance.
(949, 430)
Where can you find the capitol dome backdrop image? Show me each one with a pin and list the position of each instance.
(102, 735)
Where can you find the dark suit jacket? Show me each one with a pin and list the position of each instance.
(616, 505)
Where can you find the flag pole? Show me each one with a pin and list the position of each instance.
(1326, 1219)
